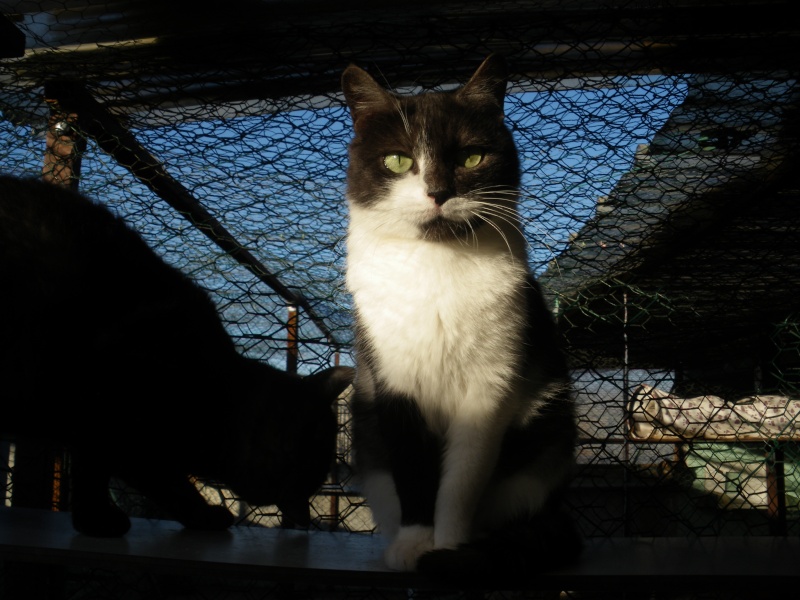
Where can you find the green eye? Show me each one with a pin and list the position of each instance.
(470, 157)
(398, 163)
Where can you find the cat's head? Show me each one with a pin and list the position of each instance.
(285, 448)
(439, 165)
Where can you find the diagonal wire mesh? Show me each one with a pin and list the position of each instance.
(659, 200)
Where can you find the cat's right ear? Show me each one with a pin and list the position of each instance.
(364, 95)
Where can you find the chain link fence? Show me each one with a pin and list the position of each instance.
(660, 201)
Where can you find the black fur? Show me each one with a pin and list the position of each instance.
(110, 352)
(512, 556)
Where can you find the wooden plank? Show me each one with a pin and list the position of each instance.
(110, 135)
(715, 563)
(264, 50)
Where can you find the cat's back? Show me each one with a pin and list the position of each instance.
(66, 258)
(87, 303)
(49, 229)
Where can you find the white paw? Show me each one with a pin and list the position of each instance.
(383, 502)
(411, 543)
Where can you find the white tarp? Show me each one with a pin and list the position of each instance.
(656, 415)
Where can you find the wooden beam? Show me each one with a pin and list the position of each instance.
(112, 137)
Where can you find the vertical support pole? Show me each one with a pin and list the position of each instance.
(63, 148)
(38, 469)
(33, 476)
(291, 367)
(776, 489)
(33, 480)
(291, 339)
(333, 507)
(38, 477)
(626, 501)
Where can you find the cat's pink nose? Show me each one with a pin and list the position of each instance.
(440, 196)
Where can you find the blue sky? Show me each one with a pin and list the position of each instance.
(277, 183)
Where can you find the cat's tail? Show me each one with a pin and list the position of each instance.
(511, 556)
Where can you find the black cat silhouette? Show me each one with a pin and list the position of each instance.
(121, 359)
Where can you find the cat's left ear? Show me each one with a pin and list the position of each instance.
(488, 82)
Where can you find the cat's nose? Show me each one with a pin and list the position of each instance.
(440, 196)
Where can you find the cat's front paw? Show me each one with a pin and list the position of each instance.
(411, 543)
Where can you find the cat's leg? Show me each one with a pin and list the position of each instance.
(398, 461)
(415, 455)
(384, 503)
(93, 511)
(473, 444)
(525, 492)
(538, 457)
(408, 541)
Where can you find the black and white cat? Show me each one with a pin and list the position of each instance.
(464, 427)
(110, 352)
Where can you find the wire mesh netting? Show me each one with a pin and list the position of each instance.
(659, 198)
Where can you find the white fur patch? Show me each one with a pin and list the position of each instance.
(411, 543)
(445, 321)
(443, 317)
(381, 492)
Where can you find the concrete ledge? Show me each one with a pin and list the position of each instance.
(707, 563)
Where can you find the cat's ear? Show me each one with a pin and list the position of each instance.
(363, 94)
(488, 82)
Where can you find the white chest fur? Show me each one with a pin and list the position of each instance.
(443, 319)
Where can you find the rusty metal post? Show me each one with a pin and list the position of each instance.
(39, 479)
(64, 147)
(291, 339)
(776, 489)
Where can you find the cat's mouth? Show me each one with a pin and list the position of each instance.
(440, 228)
